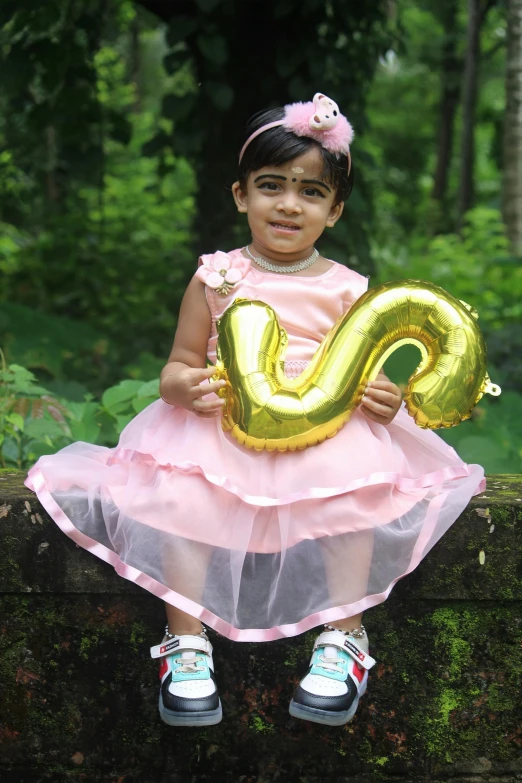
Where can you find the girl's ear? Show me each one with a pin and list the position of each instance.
(335, 213)
(240, 197)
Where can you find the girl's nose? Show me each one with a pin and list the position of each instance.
(289, 204)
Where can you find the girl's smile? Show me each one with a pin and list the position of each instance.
(288, 207)
(285, 227)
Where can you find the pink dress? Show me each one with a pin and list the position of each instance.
(262, 545)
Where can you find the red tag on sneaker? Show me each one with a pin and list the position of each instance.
(358, 672)
(164, 668)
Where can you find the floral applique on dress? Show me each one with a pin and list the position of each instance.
(221, 271)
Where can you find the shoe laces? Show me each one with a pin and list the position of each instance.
(330, 659)
(189, 663)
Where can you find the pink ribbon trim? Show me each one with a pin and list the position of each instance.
(36, 482)
(401, 483)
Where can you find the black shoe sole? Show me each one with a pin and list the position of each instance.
(326, 717)
(204, 718)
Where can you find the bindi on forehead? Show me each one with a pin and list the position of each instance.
(297, 170)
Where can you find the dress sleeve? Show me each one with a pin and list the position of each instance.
(355, 285)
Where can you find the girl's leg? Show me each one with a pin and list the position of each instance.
(348, 623)
(347, 560)
(188, 693)
(329, 693)
(181, 623)
(186, 568)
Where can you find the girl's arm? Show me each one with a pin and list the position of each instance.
(180, 380)
(382, 400)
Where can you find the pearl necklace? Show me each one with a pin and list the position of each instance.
(287, 269)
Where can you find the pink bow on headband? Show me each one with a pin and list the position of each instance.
(319, 119)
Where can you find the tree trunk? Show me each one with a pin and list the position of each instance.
(512, 182)
(450, 80)
(51, 186)
(135, 64)
(469, 101)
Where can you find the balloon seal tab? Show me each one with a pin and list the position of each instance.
(492, 388)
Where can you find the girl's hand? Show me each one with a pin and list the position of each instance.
(182, 386)
(382, 399)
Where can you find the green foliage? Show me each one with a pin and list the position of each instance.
(50, 116)
(29, 417)
(402, 104)
(494, 436)
(476, 266)
(34, 422)
(112, 249)
(56, 348)
(404, 112)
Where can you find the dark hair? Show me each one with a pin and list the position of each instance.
(277, 145)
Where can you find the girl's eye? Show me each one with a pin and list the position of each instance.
(269, 186)
(313, 192)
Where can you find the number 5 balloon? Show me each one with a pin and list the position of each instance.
(266, 410)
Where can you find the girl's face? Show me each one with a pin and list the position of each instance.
(288, 207)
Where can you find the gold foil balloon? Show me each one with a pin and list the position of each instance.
(266, 410)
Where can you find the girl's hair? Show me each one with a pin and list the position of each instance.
(277, 145)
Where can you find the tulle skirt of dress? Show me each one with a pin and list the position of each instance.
(258, 545)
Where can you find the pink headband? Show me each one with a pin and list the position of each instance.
(319, 119)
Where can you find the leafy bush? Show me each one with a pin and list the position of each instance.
(109, 251)
(33, 421)
(493, 437)
(475, 265)
(56, 348)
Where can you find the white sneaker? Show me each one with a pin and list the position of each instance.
(335, 682)
(188, 693)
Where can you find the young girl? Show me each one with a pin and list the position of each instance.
(264, 545)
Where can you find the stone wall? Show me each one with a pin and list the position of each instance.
(78, 691)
